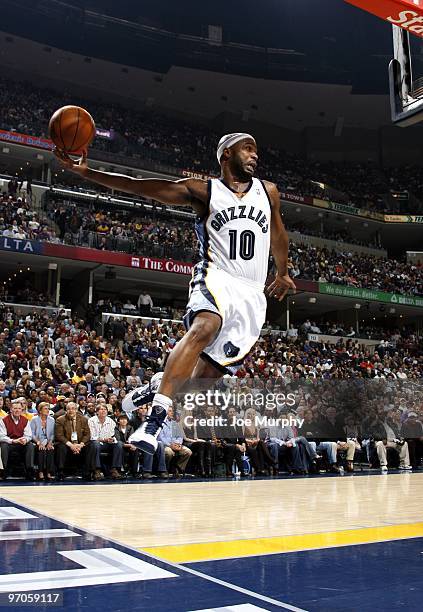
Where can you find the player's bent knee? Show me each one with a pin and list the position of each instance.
(204, 329)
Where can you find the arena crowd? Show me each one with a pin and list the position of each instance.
(62, 383)
(153, 137)
(166, 237)
(63, 380)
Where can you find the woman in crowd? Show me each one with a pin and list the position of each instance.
(42, 427)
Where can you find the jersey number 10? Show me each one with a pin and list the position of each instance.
(247, 241)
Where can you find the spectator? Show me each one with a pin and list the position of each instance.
(72, 438)
(102, 430)
(172, 437)
(129, 306)
(15, 440)
(389, 437)
(234, 446)
(145, 303)
(118, 331)
(412, 432)
(261, 459)
(42, 427)
(131, 453)
(159, 457)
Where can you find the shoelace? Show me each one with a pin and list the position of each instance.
(137, 398)
(153, 424)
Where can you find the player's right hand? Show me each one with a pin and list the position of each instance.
(79, 166)
(280, 286)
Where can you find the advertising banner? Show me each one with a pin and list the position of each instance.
(116, 259)
(370, 295)
(407, 14)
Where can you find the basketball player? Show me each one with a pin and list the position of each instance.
(238, 220)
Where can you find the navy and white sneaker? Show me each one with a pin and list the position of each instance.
(145, 437)
(141, 395)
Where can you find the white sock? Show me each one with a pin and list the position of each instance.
(163, 401)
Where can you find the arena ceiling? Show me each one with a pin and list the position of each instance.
(278, 60)
(295, 40)
(193, 92)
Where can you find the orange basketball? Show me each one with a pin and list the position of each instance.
(72, 129)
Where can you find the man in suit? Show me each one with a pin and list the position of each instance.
(73, 437)
(233, 443)
(412, 431)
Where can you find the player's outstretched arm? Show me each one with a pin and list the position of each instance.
(184, 192)
(279, 245)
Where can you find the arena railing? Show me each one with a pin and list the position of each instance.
(177, 213)
(20, 308)
(366, 342)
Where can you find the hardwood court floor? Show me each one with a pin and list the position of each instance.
(181, 521)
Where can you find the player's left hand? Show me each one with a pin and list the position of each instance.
(280, 287)
(79, 166)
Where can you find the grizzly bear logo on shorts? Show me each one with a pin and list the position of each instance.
(230, 349)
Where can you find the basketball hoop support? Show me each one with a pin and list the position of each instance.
(405, 108)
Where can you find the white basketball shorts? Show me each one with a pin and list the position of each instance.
(241, 305)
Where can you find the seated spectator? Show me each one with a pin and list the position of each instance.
(133, 381)
(131, 453)
(3, 412)
(310, 430)
(200, 448)
(401, 446)
(412, 432)
(129, 306)
(335, 430)
(172, 437)
(260, 457)
(137, 419)
(102, 430)
(281, 444)
(16, 440)
(72, 437)
(292, 333)
(233, 444)
(42, 427)
(116, 408)
(387, 434)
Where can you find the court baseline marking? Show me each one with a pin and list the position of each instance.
(177, 566)
(235, 549)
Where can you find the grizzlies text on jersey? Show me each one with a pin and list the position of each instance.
(235, 234)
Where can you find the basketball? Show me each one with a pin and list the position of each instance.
(72, 129)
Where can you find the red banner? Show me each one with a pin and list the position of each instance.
(117, 259)
(407, 14)
(25, 139)
(306, 285)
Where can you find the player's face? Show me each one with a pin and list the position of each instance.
(244, 158)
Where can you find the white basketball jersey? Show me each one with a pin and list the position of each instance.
(235, 234)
